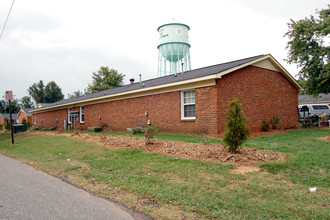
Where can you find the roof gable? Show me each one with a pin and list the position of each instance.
(27, 111)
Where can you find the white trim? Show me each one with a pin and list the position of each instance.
(81, 113)
(35, 118)
(208, 81)
(183, 104)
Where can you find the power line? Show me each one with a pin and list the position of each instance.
(7, 19)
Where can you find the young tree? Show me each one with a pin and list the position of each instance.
(26, 102)
(308, 47)
(53, 92)
(236, 132)
(36, 91)
(105, 78)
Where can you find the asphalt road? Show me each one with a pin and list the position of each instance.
(27, 193)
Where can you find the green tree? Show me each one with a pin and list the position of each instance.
(308, 46)
(26, 102)
(236, 132)
(76, 94)
(105, 78)
(45, 94)
(302, 82)
(36, 91)
(53, 93)
(4, 105)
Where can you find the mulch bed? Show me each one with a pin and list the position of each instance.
(200, 151)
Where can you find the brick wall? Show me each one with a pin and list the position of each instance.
(23, 115)
(164, 111)
(1, 121)
(264, 94)
(48, 119)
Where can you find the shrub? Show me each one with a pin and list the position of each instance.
(236, 132)
(306, 123)
(265, 125)
(149, 133)
(28, 125)
(275, 122)
(24, 121)
(6, 124)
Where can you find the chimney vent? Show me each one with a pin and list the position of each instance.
(131, 80)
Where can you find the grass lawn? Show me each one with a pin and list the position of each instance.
(174, 188)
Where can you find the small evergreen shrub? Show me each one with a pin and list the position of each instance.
(265, 125)
(149, 133)
(236, 132)
(275, 122)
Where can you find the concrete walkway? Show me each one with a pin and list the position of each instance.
(27, 193)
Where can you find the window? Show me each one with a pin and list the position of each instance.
(69, 116)
(188, 104)
(82, 114)
(35, 118)
(320, 107)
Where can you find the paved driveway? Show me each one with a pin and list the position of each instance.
(27, 193)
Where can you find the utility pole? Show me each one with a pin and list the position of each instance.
(9, 97)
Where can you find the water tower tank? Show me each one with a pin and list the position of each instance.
(173, 49)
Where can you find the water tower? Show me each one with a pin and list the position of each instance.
(173, 49)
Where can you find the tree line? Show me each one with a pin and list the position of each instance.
(104, 78)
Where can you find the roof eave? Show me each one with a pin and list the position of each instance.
(97, 99)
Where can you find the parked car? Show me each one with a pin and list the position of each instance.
(314, 110)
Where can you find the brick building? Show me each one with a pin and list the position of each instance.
(191, 102)
(6, 116)
(25, 113)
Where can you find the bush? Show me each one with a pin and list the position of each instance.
(265, 125)
(236, 132)
(28, 125)
(149, 133)
(275, 122)
(6, 125)
(306, 123)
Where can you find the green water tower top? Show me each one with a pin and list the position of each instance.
(173, 47)
(173, 33)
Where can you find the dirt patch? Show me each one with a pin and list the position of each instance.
(244, 169)
(248, 157)
(327, 138)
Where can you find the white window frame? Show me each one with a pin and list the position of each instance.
(183, 104)
(82, 113)
(69, 118)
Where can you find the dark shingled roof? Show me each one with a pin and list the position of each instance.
(7, 115)
(196, 73)
(27, 110)
(309, 99)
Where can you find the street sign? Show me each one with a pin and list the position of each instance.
(9, 95)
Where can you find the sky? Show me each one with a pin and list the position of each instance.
(66, 41)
